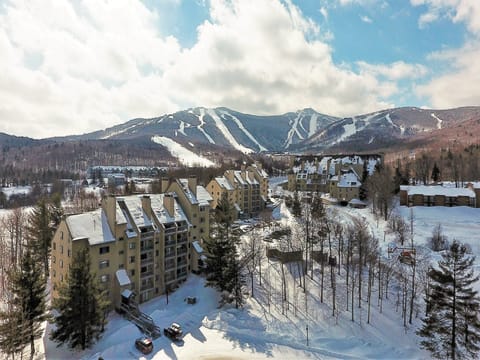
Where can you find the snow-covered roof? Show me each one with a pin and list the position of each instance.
(198, 248)
(437, 190)
(349, 180)
(223, 182)
(134, 205)
(122, 277)
(92, 226)
(189, 194)
(162, 214)
(203, 196)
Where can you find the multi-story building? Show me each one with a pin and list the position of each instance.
(337, 175)
(438, 195)
(246, 189)
(146, 243)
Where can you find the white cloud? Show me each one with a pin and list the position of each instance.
(395, 71)
(77, 67)
(467, 11)
(426, 19)
(324, 12)
(459, 86)
(366, 19)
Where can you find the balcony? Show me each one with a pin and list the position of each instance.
(169, 265)
(170, 230)
(170, 242)
(181, 240)
(146, 257)
(181, 250)
(169, 254)
(182, 263)
(148, 285)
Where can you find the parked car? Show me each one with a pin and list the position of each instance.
(174, 332)
(144, 344)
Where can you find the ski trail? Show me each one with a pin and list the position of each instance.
(228, 135)
(293, 130)
(200, 127)
(246, 132)
(312, 125)
(439, 121)
(181, 128)
(185, 156)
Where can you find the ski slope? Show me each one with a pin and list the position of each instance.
(185, 156)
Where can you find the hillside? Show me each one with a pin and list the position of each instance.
(221, 134)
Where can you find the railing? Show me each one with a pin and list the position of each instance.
(171, 230)
(181, 251)
(182, 240)
(170, 243)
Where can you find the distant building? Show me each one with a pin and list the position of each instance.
(438, 195)
(338, 175)
(146, 244)
(116, 179)
(246, 189)
(345, 187)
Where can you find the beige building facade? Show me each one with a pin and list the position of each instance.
(246, 189)
(144, 243)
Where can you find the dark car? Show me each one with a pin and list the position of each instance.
(144, 344)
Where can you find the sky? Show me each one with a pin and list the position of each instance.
(71, 67)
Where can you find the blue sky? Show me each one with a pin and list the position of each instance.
(78, 66)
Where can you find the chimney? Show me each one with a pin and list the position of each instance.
(229, 174)
(147, 205)
(164, 185)
(169, 203)
(192, 184)
(109, 207)
(243, 173)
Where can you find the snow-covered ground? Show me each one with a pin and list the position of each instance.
(185, 156)
(263, 329)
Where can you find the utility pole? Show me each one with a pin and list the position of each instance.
(307, 333)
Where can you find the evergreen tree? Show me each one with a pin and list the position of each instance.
(28, 307)
(40, 233)
(81, 305)
(435, 173)
(224, 270)
(56, 211)
(296, 205)
(451, 328)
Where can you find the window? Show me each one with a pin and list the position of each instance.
(104, 278)
(120, 252)
(61, 277)
(69, 252)
(121, 266)
(61, 235)
(61, 249)
(53, 259)
(61, 264)
(131, 245)
(120, 238)
(132, 272)
(104, 250)
(54, 273)
(132, 259)
(104, 264)
(54, 246)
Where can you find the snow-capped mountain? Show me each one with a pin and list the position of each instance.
(224, 127)
(301, 131)
(385, 128)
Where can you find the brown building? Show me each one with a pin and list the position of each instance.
(146, 244)
(246, 189)
(437, 195)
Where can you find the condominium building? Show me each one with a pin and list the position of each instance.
(144, 243)
(246, 189)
